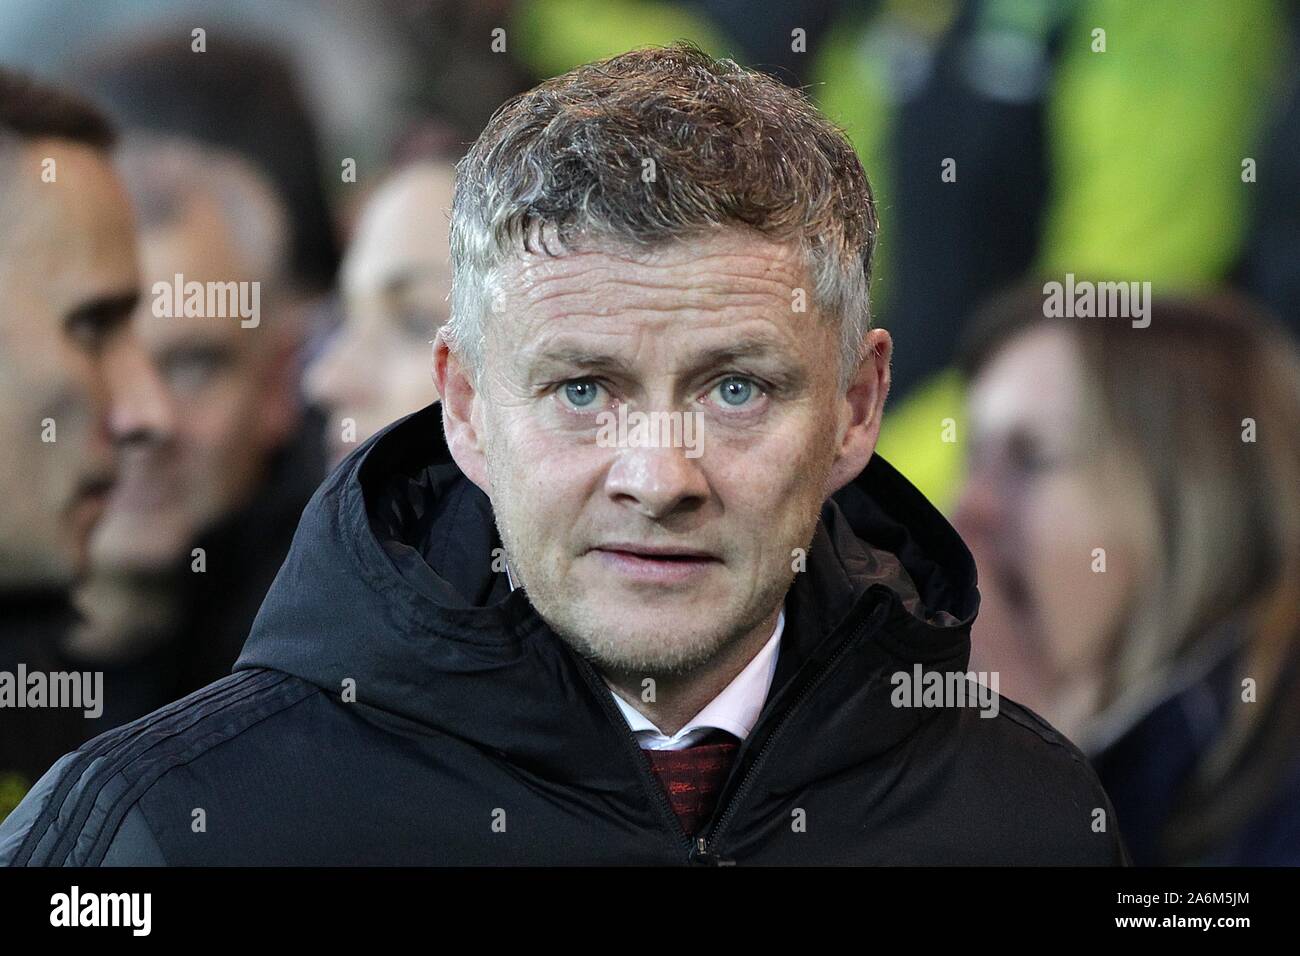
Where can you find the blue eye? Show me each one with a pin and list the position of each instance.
(736, 391)
(581, 393)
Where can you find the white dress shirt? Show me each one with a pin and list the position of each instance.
(734, 710)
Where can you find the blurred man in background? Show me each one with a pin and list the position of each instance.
(196, 529)
(73, 382)
(396, 278)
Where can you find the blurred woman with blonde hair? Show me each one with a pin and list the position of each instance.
(1133, 504)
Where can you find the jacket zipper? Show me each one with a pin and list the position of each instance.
(698, 849)
(607, 704)
(702, 849)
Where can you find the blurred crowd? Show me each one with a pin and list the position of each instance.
(1131, 494)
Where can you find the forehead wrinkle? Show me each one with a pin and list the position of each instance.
(706, 280)
(654, 322)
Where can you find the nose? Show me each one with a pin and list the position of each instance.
(656, 481)
(140, 407)
(981, 511)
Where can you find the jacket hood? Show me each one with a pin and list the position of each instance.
(389, 585)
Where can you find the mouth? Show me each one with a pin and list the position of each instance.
(95, 488)
(655, 564)
(144, 486)
(1015, 587)
(89, 504)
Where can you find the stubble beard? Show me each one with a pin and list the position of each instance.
(605, 641)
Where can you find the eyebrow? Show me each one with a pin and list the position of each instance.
(577, 356)
(400, 280)
(106, 312)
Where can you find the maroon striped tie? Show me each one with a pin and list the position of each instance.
(693, 777)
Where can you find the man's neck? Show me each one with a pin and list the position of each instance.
(679, 697)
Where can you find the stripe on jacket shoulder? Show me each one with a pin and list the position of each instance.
(109, 773)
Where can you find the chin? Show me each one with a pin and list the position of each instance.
(58, 569)
(622, 640)
(144, 552)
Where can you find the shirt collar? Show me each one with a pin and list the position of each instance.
(734, 710)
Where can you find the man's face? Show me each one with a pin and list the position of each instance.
(67, 284)
(395, 283)
(225, 382)
(704, 328)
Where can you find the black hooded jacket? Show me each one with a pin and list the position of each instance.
(396, 703)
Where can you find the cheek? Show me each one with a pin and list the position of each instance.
(218, 428)
(541, 479)
(800, 465)
(207, 425)
(71, 403)
(192, 427)
(1078, 604)
(43, 476)
(771, 491)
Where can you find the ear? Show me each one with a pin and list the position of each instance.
(860, 410)
(462, 413)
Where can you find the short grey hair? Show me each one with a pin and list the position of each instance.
(732, 147)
